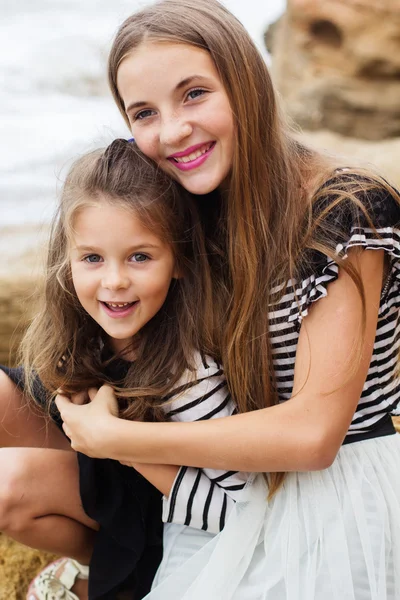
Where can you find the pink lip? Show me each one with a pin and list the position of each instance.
(121, 313)
(189, 150)
(193, 164)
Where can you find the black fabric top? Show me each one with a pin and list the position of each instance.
(128, 546)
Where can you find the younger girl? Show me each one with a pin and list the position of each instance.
(126, 273)
(306, 270)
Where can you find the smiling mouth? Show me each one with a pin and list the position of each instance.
(118, 306)
(193, 155)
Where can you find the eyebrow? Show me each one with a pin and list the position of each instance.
(179, 86)
(189, 80)
(100, 250)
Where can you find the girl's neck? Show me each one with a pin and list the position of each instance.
(122, 349)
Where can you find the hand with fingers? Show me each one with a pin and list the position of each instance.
(87, 418)
(80, 398)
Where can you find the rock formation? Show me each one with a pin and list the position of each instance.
(14, 295)
(336, 64)
(21, 249)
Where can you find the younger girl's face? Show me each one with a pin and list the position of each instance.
(121, 271)
(179, 112)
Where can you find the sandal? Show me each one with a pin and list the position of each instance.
(49, 586)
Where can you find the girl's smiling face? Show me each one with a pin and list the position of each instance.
(179, 112)
(120, 270)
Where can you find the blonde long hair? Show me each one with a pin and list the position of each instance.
(265, 221)
(63, 345)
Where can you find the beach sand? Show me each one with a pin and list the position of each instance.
(18, 566)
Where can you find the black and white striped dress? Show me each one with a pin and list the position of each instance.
(330, 534)
(381, 392)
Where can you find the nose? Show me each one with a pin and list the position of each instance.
(115, 278)
(173, 130)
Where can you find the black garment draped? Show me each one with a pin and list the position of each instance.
(128, 545)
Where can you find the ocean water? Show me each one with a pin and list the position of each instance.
(54, 101)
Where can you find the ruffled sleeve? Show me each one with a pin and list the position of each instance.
(349, 227)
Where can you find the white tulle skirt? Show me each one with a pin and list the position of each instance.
(327, 535)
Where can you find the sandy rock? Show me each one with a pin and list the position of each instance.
(18, 566)
(14, 301)
(382, 156)
(337, 65)
(22, 251)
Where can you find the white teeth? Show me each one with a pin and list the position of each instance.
(193, 155)
(114, 305)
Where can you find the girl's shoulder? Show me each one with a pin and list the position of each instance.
(355, 197)
(352, 209)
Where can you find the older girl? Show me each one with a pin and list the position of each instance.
(305, 257)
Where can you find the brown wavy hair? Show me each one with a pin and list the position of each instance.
(64, 346)
(258, 230)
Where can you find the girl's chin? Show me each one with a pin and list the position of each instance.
(204, 183)
(199, 186)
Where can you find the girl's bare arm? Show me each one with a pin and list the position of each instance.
(302, 434)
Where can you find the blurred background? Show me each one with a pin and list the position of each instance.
(54, 100)
(336, 65)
